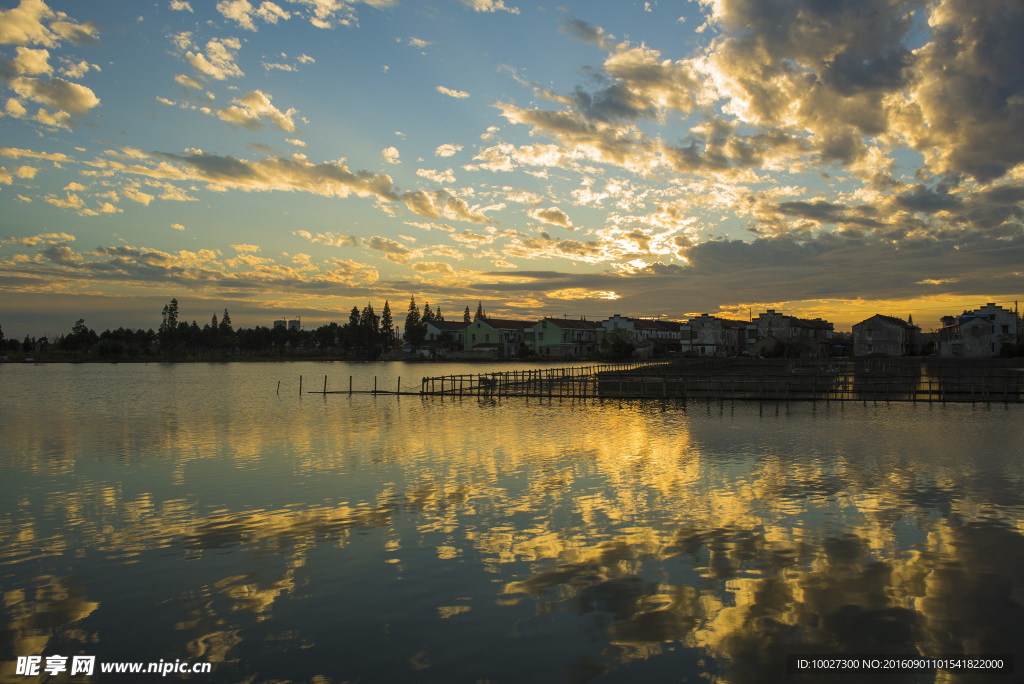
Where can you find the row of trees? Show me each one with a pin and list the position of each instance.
(365, 335)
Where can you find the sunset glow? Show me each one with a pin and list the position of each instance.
(302, 157)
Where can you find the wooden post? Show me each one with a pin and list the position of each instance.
(300, 385)
(325, 384)
(279, 387)
(350, 385)
(399, 384)
(375, 384)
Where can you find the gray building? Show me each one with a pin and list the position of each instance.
(886, 335)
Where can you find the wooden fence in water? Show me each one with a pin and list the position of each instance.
(844, 380)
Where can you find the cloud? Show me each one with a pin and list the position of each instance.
(245, 248)
(418, 42)
(219, 61)
(177, 226)
(446, 176)
(18, 153)
(79, 69)
(459, 94)
(552, 216)
(438, 267)
(489, 6)
(181, 6)
(30, 61)
(392, 250)
(57, 93)
(242, 12)
(391, 155)
(42, 238)
(251, 109)
(188, 82)
(587, 33)
(33, 23)
(447, 150)
(326, 13)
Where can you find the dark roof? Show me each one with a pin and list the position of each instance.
(573, 324)
(448, 325)
(891, 320)
(508, 323)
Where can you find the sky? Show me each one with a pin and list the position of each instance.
(824, 158)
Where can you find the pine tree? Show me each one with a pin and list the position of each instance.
(369, 330)
(428, 315)
(438, 316)
(479, 311)
(387, 327)
(415, 330)
(225, 324)
(168, 332)
(465, 317)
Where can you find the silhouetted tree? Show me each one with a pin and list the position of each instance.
(169, 326)
(369, 329)
(387, 328)
(438, 316)
(415, 329)
(226, 332)
(428, 315)
(81, 338)
(479, 311)
(618, 344)
(465, 317)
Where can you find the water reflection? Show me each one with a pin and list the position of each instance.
(440, 540)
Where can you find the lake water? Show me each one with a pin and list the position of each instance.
(194, 512)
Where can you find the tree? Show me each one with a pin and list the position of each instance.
(226, 331)
(225, 324)
(387, 327)
(618, 344)
(415, 329)
(81, 337)
(465, 317)
(369, 330)
(169, 326)
(438, 316)
(479, 311)
(1, 337)
(351, 329)
(428, 315)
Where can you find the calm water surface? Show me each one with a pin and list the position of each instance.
(193, 512)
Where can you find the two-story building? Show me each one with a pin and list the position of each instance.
(500, 337)
(445, 336)
(886, 335)
(712, 336)
(980, 333)
(563, 337)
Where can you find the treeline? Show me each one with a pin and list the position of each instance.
(366, 335)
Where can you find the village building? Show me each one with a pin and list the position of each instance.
(651, 336)
(565, 338)
(886, 335)
(444, 336)
(788, 335)
(712, 336)
(978, 334)
(497, 337)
